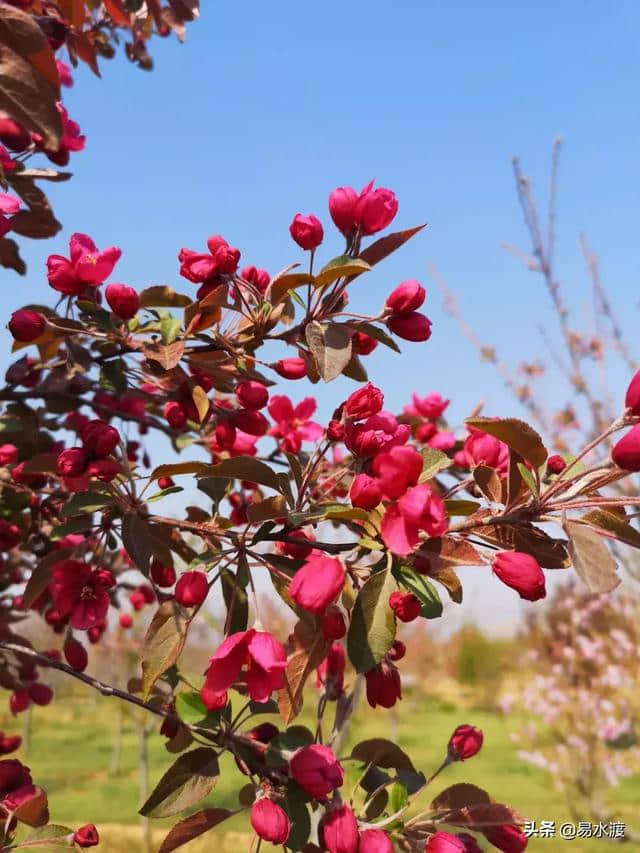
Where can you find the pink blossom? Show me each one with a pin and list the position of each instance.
(379, 432)
(255, 653)
(418, 509)
(293, 424)
(8, 206)
(86, 267)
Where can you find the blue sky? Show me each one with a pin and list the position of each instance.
(267, 107)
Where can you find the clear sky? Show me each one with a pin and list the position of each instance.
(267, 107)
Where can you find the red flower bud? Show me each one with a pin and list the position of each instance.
(252, 395)
(364, 403)
(556, 464)
(192, 589)
(465, 742)
(123, 300)
(165, 482)
(339, 830)
(397, 651)
(9, 743)
(19, 701)
(270, 821)
(294, 549)
(375, 841)
(72, 462)
(8, 454)
(103, 469)
(365, 492)
(376, 209)
(316, 584)
(290, 368)
(335, 431)
(99, 438)
(163, 576)
(26, 326)
(306, 231)
(125, 620)
(521, 572)
(444, 842)
(333, 624)
(76, 654)
(626, 453)
(86, 836)
(406, 297)
(632, 398)
(383, 685)
(363, 344)
(9, 535)
(253, 423)
(405, 605)
(175, 415)
(12, 134)
(509, 839)
(316, 769)
(411, 327)
(41, 694)
(342, 207)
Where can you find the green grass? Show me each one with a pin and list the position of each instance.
(72, 748)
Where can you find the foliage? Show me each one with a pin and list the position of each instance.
(358, 523)
(33, 120)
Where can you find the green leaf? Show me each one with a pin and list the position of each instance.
(591, 558)
(340, 267)
(529, 479)
(192, 710)
(398, 798)
(171, 490)
(49, 837)
(330, 344)
(188, 781)
(163, 296)
(422, 589)
(434, 461)
(85, 502)
(136, 538)
(461, 507)
(193, 826)
(516, 434)
(373, 625)
(112, 376)
(235, 596)
(296, 808)
(169, 329)
(163, 643)
(75, 525)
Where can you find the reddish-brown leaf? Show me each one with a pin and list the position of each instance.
(193, 826)
(383, 247)
(310, 649)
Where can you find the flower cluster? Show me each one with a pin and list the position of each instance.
(358, 520)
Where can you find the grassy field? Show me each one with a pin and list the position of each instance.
(72, 754)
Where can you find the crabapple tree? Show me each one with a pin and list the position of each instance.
(358, 523)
